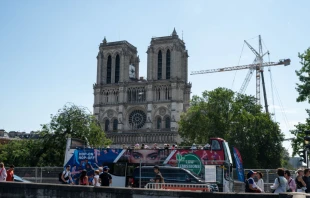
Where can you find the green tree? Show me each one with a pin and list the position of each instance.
(303, 89)
(299, 133)
(20, 152)
(237, 119)
(304, 77)
(49, 149)
(70, 122)
(75, 122)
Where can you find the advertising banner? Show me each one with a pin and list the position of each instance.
(239, 166)
(191, 159)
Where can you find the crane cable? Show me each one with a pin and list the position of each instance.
(232, 86)
(271, 83)
(280, 102)
(272, 94)
(273, 86)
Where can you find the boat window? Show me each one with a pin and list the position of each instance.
(215, 145)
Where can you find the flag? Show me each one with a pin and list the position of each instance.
(239, 166)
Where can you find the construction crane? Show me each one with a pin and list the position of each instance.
(258, 66)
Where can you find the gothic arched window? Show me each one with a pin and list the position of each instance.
(107, 97)
(167, 123)
(158, 94)
(129, 96)
(109, 70)
(115, 123)
(160, 65)
(168, 64)
(117, 65)
(167, 93)
(106, 125)
(158, 123)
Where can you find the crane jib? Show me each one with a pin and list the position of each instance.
(284, 62)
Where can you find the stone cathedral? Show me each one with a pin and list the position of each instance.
(132, 109)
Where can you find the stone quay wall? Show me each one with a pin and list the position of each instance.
(35, 190)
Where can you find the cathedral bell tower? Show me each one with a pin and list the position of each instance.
(167, 58)
(117, 65)
(116, 62)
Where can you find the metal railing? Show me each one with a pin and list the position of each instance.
(51, 174)
(172, 186)
(269, 176)
(39, 174)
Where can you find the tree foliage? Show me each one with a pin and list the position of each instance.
(75, 122)
(303, 90)
(70, 121)
(18, 152)
(299, 133)
(304, 77)
(28, 153)
(237, 119)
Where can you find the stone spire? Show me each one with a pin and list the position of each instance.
(174, 33)
(104, 41)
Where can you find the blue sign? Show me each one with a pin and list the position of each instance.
(239, 166)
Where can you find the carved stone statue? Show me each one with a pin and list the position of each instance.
(101, 113)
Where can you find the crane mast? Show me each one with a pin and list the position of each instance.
(247, 79)
(258, 65)
(259, 57)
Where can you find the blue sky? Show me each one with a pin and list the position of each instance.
(48, 49)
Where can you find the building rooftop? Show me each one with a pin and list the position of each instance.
(115, 43)
(174, 35)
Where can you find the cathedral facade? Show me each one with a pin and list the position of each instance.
(132, 109)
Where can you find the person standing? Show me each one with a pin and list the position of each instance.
(280, 183)
(306, 179)
(260, 181)
(66, 176)
(158, 177)
(83, 180)
(290, 181)
(155, 146)
(100, 170)
(250, 185)
(96, 178)
(10, 173)
(3, 173)
(105, 177)
(301, 185)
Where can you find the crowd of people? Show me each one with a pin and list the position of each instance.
(154, 146)
(101, 177)
(6, 175)
(165, 146)
(283, 183)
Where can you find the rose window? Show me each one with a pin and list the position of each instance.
(137, 119)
